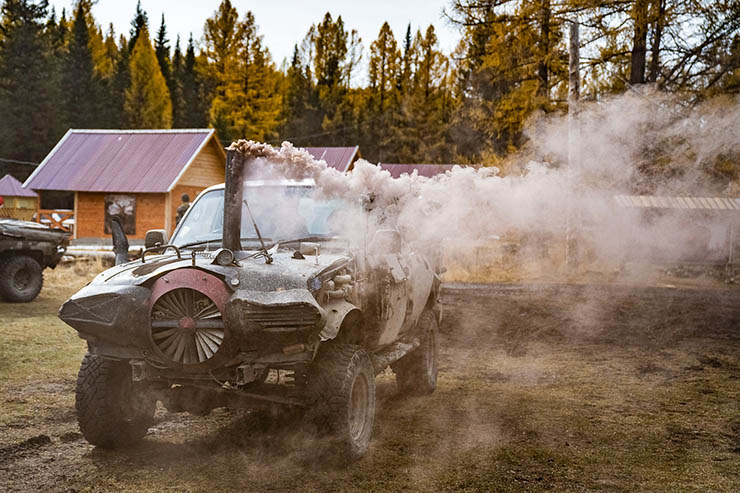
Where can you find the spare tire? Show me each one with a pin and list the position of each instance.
(21, 278)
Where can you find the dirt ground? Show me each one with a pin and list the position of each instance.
(541, 387)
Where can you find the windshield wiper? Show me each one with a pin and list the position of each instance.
(265, 253)
(307, 238)
(201, 242)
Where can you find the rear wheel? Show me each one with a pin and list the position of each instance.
(112, 410)
(342, 386)
(21, 278)
(416, 373)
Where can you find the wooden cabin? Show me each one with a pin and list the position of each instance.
(139, 175)
(18, 202)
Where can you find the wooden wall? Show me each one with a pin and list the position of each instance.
(90, 214)
(21, 202)
(153, 211)
(207, 169)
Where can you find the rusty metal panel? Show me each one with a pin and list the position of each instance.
(10, 187)
(119, 160)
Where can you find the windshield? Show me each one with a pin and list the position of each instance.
(281, 213)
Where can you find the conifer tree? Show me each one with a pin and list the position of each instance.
(354, 56)
(407, 61)
(147, 102)
(256, 102)
(26, 97)
(246, 102)
(56, 34)
(106, 66)
(120, 82)
(382, 105)
(139, 22)
(111, 113)
(162, 49)
(423, 134)
(222, 37)
(81, 85)
(296, 113)
(330, 57)
(195, 107)
(176, 93)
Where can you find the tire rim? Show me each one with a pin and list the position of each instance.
(22, 279)
(359, 399)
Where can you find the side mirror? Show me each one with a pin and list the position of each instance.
(154, 236)
(386, 241)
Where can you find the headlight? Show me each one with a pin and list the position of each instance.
(224, 257)
(314, 284)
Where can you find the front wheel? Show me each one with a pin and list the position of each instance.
(416, 373)
(112, 410)
(342, 387)
(21, 278)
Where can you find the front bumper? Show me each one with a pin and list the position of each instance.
(110, 315)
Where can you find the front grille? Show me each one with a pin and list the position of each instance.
(282, 318)
(186, 326)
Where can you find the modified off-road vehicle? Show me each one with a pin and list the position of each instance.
(258, 299)
(26, 249)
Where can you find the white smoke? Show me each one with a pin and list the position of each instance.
(629, 145)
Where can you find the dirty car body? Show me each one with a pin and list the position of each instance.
(228, 314)
(26, 248)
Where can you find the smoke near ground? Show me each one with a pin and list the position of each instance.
(541, 387)
(532, 395)
(634, 144)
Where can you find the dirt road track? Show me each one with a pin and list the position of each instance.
(546, 387)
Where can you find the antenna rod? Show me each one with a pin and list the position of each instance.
(266, 253)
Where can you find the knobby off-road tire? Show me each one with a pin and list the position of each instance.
(111, 410)
(342, 390)
(21, 278)
(416, 373)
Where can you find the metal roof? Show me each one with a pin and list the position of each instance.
(134, 161)
(427, 170)
(658, 202)
(339, 158)
(10, 187)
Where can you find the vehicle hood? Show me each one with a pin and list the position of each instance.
(17, 229)
(285, 272)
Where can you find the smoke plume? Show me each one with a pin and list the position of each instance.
(632, 144)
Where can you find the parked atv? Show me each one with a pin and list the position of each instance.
(261, 306)
(26, 248)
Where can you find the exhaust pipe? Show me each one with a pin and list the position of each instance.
(120, 242)
(234, 188)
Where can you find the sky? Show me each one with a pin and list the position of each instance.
(283, 23)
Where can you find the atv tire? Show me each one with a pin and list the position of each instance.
(21, 278)
(112, 412)
(416, 373)
(342, 388)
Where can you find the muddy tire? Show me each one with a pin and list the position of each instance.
(21, 278)
(342, 390)
(416, 373)
(111, 410)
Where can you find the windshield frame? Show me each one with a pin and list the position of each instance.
(250, 242)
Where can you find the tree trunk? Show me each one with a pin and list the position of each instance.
(639, 42)
(655, 58)
(542, 68)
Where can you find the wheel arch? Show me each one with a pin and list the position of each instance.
(344, 322)
(37, 255)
